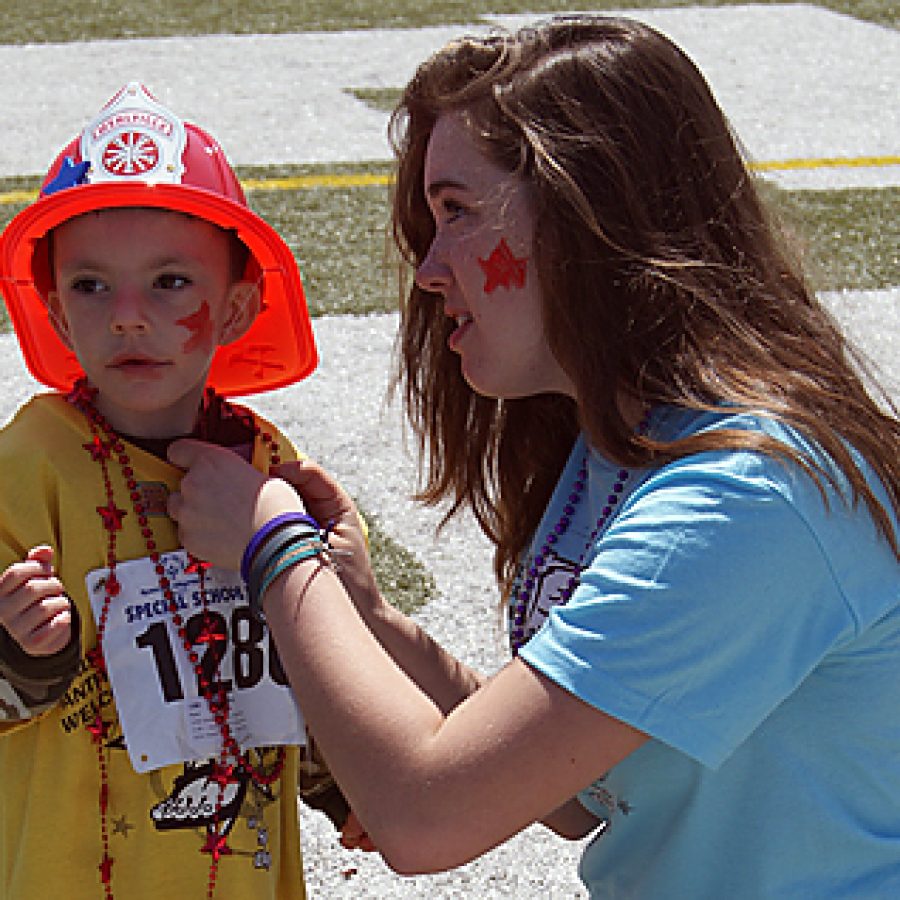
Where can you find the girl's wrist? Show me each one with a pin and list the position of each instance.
(283, 542)
(276, 498)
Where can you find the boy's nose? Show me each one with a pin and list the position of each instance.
(128, 312)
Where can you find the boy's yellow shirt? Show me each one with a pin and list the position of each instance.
(50, 836)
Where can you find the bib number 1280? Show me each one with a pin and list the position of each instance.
(209, 632)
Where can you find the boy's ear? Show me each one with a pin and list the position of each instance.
(58, 318)
(242, 307)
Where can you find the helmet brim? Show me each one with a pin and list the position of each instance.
(278, 349)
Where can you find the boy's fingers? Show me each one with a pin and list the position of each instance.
(20, 574)
(51, 634)
(43, 553)
(45, 561)
(43, 626)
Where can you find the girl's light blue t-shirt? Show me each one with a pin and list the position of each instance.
(754, 634)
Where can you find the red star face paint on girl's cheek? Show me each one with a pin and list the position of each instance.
(199, 324)
(502, 269)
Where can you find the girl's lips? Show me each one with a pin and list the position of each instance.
(463, 325)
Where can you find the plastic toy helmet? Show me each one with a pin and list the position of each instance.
(138, 153)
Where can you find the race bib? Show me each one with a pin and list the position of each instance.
(163, 714)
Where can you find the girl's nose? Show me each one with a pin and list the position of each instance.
(433, 274)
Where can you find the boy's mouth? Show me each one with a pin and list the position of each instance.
(127, 362)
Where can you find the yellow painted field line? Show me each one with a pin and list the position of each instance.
(300, 182)
(362, 179)
(18, 197)
(828, 162)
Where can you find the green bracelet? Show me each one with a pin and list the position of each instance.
(273, 548)
(282, 565)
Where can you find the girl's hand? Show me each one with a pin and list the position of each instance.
(222, 501)
(330, 505)
(354, 836)
(34, 608)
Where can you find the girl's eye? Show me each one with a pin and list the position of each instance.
(172, 282)
(452, 209)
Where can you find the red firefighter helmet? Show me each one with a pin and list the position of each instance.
(138, 153)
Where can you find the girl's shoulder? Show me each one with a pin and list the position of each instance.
(763, 499)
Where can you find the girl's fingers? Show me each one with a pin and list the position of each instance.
(323, 497)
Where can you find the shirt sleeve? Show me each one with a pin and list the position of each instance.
(316, 788)
(708, 600)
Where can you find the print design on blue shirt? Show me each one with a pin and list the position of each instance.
(547, 590)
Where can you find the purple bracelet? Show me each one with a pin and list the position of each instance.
(265, 531)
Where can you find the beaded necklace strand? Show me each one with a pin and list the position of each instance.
(104, 447)
(519, 635)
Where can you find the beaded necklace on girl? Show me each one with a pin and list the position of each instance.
(529, 603)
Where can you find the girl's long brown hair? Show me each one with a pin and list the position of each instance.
(661, 276)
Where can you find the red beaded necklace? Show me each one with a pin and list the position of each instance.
(105, 446)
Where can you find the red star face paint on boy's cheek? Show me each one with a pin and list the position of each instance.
(199, 324)
(502, 269)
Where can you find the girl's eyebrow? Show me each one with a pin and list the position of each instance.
(443, 184)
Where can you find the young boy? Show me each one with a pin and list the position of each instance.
(144, 716)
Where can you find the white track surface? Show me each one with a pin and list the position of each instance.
(797, 82)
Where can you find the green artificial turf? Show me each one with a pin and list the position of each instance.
(338, 235)
(47, 21)
(382, 99)
(404, 582)
(849, 238)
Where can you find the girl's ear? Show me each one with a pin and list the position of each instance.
(58, 318)
(242, 307)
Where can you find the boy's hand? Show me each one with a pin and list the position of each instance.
(34, 608)
(354, 836)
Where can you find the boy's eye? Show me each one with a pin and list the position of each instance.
(172, 282)
(87, 286)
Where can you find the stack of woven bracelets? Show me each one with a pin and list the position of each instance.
(282, 542)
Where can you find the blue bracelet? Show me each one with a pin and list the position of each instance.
(275, 564)
(276, 543)
(289, 561)
(265, 531)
